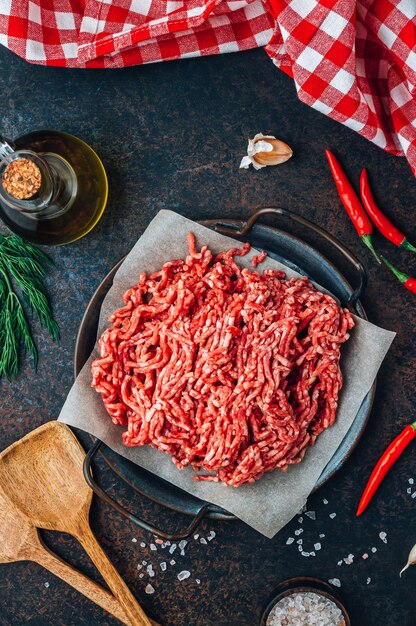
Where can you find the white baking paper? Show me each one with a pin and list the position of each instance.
(271, 502)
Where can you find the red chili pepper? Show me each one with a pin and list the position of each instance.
(407, 281)
(381, 221)
(351, 203)
(387, 460)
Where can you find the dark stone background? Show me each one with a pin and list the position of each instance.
(171, 136)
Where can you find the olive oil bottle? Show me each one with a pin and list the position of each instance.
(72, 194)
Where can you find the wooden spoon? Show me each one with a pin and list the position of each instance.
(21, 542)
(42, 476)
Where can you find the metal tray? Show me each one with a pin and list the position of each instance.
(291, 251)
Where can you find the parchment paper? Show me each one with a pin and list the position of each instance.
(271, 502)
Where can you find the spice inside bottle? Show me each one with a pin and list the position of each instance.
(22, 179)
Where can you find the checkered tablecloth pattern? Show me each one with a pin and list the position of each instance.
(353, 60)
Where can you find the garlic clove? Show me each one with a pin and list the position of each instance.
(264, 150)
(411, 560)
(279, 153)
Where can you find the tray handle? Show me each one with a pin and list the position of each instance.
(227, 229)
(175, 536)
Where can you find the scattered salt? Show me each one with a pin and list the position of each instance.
(198, 582)
(163, 566)
(411, 481)
(172, 548)
(311, 514)
(141, 575)
(184, 575)
(368, 580)
(196, 537)
(340, 562)
(173, 562)
(325, 501)
(383, 536)
(312, 553)
(144, 562)
(211, 535)
(317, 546)
(305, 609)
(289, 541)
(182, 544)
(149, 589)
(153, 547)
(203, 540)
(300, 548)
(321, 536)
(134, 540)
(335, 581)
(150, 571)
(139, 566)
(332, 515)
(373, 549)
(300, 520)
(349, 559)
(409, 490)
(365, 555)
(167, 543)
(299, 531)
(300, 541)
(305, 553)
(182, 552)
(46, 585)
(414, 494)
(142, 544)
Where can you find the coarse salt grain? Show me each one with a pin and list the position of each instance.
(383, 536)
(349, 559)
(173, 562)
(141, 575)
(311, 514)
(411, 481)
(299, 531)
(142, 544)
(153, 547)
(305, 553)
(203, 541)
(211, 535)
(335, 581)
(300, 520)
(340, 562)
(139, 566)
(305, 609)
(300, 541)
(368, 581)
(289, 540)
(163, 566)
(182, 544)
(47, 585)
(196, 537)
(317, 546)
(409, 490)
(172, 548)
(414, 494)
(332, 515)
(325, 501)
(321, 536)
(184, 575)
(365, 555)
(149, 589)
(134, 540)
(198, 582)
(373, 549)
(144, 562)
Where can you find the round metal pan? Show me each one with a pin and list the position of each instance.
(291, 251)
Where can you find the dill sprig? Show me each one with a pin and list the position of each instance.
(22, 265)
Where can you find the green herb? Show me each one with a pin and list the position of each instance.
(24, 266)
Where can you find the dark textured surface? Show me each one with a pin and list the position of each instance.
(171, 136)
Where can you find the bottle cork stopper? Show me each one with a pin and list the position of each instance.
(22, 179)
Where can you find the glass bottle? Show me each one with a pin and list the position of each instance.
(73, 191)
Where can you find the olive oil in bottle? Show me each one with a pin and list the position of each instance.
(56, 187)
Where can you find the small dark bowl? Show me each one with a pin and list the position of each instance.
(304, 584)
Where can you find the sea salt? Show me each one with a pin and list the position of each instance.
(173, 562)
(335, 581)
(142, 544)
(411, 481)
(409, 490)
(365, 555)
(299, 531)
(184, 575)
(172, 548)
(203, 540)
(182, 544)
(289, 540)
(383, 536)
(211, 535)
(141, 575)
(414, 494)
(305, 553)
(163, 566)
(134, 540)
(300, 520)
(196, 537)
(150, 571)
(321, 536)
(47, 585)
(305, 609)
(153, 547)
(311, 515)
(325, 501)
(349, 559)
(317, 546)
(332, 515)
(340, 562)
(139, 566)
(300, 541)
(149, 589)
(300, 548)
(198, 582)
(368, 581)
(373, 549)
(144, 562)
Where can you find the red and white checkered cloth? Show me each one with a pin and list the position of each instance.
(355, 61)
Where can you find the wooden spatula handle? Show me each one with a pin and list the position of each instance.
(129, 604)
(78, 581)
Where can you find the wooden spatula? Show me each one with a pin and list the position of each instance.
(20, 541)
(42, 476)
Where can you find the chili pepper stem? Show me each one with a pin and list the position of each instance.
(368, 241)
(401, 276)
(406, 245)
